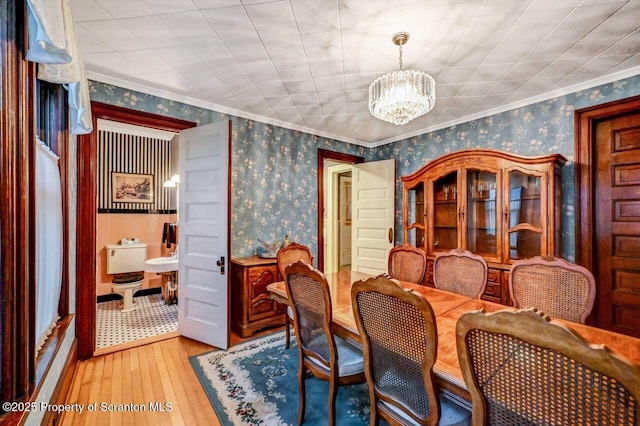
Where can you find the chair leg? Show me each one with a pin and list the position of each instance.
(374, 417)
(302, 373)
(287, 333)
(333, 390)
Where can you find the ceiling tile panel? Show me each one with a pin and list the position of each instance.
(480, 37)
(246, 49)
(284, 48)
(147, 62)
(124, 8)
(315, 16)
(151, 31)
(229, 22)
(273, 19)
(190, 27)
(88, 10)
(169, 6)
(260, 71)
(90, 43)
(115, 35)
(525, 33)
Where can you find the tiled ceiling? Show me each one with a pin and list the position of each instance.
(307, 64)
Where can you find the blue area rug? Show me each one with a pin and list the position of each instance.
(255, 383)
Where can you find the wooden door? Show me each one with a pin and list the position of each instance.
(203, 282)
(373, 215)
(617, 224)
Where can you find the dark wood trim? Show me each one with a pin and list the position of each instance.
(139, 118)
(86, 244)
(17, 141)
(87, 208)
(585, 121)
(335, 156)
(63, 163)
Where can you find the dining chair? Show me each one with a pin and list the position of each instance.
(522, 368)
(407, 263)
(556, 287)
(400, 339)
(460, 271)
(287, 255)
(325, 356)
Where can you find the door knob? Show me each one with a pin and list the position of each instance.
(220, 263)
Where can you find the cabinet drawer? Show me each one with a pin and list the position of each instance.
(260, 305)
(493, 291)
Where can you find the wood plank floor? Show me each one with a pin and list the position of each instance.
(157, 372)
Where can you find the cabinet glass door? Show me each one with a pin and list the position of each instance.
(415, 216)
(524, 215)
(481, 212)
(445, 213)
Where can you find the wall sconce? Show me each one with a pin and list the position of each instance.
(173, 182)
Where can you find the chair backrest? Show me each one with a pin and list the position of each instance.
(292, 253)
(554, 286)
(522, 368)
(460, 271)
(407, 263)
(310, 301)
(400, 341)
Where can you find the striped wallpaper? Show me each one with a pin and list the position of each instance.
(125, 153)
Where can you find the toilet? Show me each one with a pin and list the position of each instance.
(126, 264)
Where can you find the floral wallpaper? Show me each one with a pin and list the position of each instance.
(274, 176)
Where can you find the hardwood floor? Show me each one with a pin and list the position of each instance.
(157, 372)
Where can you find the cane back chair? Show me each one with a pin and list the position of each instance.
(286, 256)
(460, 271)
(407, 263)
(554, 286)
(324, 355)
(400, 340)
(521, 368)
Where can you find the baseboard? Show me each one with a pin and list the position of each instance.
(63, 388)
(144, 292)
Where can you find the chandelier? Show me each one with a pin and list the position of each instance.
(399, 97)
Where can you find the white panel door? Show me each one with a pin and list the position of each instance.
(373, 214)
(203, 234)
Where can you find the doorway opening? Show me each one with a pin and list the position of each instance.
(327, 159)
(134, 211)
(337, 248)
(86, 257)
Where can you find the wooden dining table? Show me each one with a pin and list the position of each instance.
(447, 307)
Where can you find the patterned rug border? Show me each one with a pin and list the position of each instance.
(239, 381)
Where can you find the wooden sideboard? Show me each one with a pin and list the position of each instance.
(251, 307)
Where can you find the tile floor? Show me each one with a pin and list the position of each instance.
(152, 317)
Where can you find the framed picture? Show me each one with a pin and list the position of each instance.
(131, 188)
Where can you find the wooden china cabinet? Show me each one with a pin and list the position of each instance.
(251, 307)
(501, 206)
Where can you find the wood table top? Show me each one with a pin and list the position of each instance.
(447, 308)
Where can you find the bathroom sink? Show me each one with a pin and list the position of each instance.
(161, 264)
